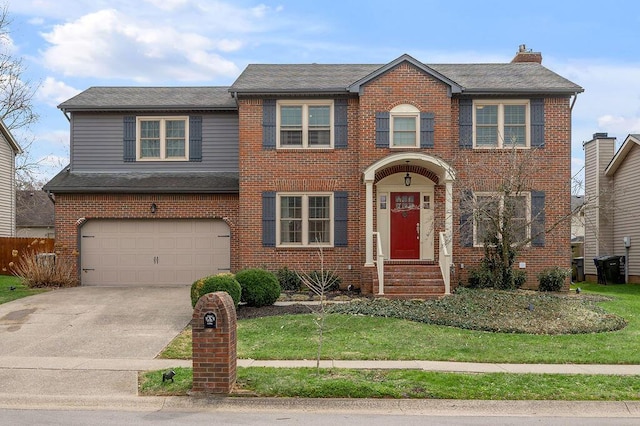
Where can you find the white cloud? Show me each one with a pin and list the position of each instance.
(53, 92)
(110, 44)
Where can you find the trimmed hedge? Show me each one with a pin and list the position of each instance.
(552, 279)
(211, 284)
(259, 287)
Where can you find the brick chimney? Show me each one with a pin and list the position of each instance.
(525, 55)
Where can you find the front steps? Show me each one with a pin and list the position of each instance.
(411, 280)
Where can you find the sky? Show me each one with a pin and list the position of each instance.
(68, 46)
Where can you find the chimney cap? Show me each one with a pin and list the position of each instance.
(600, 135)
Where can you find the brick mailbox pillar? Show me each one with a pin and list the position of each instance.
(214, 344)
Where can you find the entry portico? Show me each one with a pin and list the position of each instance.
(399, 198)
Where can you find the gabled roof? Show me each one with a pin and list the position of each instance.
(617, 160)
(4, 130)
(510, 78)
(34, 209)
(355, 87)
(151, 98)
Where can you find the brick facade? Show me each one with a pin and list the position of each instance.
(73, 209)
(341, 169)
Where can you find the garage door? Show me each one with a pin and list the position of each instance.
(152, 252)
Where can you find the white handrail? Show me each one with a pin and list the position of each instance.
(379, 263)
(445, 263)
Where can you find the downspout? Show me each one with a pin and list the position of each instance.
(575, 98)
(51, 197)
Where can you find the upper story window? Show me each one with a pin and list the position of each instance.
(305, 124)
(305, 219)
(405, 126)
(493, 210)
(162, 138)
(501, 124)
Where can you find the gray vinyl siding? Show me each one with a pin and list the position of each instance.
(627, 204)
(598, 238)
(97, 144)
(7, 189)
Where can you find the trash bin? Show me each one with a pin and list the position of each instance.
(578, 263)
(609, 269)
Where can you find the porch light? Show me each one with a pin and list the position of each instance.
(154, 207)
(407, 180)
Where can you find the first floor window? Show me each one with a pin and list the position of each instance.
(162, 138)
(304, 219)
(501, 124)
(496, 215)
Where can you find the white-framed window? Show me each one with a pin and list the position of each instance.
(162, 138)
(405, 126)
(304, 124)
(501, 124)
(493, 210)
(304, 219)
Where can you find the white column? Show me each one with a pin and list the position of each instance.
(448, 214)
(368, 224)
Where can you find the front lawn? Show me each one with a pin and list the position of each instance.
(348, 383)
(366, 337)
(12, 289)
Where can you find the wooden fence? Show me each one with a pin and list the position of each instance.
(12, 248)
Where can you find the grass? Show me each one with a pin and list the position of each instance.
(19, 291)
(374, 337)
(348, 383)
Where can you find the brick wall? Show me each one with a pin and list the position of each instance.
(341, 169)
(70, 209)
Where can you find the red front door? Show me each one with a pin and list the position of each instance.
(405, 225)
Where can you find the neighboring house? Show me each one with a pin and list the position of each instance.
(577, 225)
(34, 215)
(367, 162)
(9, 148)
(613, 189)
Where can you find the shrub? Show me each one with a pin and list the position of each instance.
(330, 281)
(289, 280)
(259, 287)
(38, 270)
(211, 284)
(519, 278)
(552, 279)
(480, 278)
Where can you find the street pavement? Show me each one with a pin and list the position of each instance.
(83, 347)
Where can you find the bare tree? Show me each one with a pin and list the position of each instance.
(16, 99)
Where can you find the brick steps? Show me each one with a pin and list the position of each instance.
(411, 281)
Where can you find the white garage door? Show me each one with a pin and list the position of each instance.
(152, 252)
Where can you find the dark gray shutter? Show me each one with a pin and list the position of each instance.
(340, 211)
(427, 120)
(537, 123)
(269, 124)
(537, 219)
(382, 130)
(340, 123)
(269, 219)
(465, 123)
(129, 139)
(195, 138)
(466, 219)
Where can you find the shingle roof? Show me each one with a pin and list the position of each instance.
(473, 78)
(151, 98)
(201, 182)
(34, 208)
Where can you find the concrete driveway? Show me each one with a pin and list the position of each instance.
(94, 322)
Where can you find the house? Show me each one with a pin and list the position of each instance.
(9, 149)
(611, 226)
(367, 162)
(34, 215)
